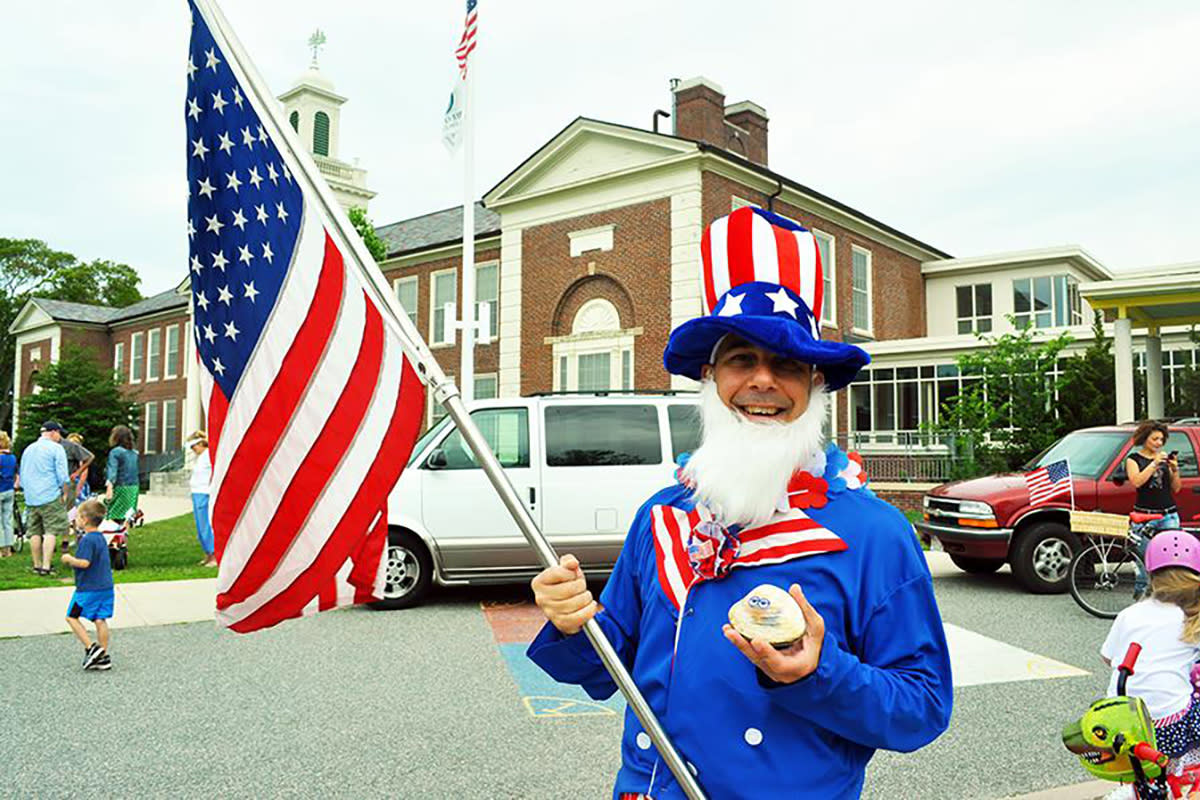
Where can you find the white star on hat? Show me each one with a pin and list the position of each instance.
(732, 306)
(783, 302)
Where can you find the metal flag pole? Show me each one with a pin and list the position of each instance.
(467, 361)
(431, 373)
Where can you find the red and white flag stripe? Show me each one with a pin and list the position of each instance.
(744, 247)
(788, 535)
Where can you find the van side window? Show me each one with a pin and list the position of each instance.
(593, 436)
(1178, 440)
(685, 429)
(506, 431)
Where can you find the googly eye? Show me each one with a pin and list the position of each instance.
(759, 602)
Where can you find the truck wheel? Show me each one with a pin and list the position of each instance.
(1042, 558)
(409, 571)
(977, 566)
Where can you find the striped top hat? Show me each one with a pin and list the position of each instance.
(762, 280)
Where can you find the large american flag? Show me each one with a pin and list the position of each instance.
(1046, 483)
(312, 405)
(467, 42)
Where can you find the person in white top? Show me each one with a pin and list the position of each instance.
(201, 477)
(1167, 626)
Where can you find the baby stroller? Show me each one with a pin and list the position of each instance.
(116, 534)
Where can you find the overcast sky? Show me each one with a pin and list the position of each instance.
(978, 127)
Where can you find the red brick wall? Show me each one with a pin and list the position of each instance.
(898, 289)
(28, 365)
(635, 275)
(155, 391)
(487, 357)
(97, 343)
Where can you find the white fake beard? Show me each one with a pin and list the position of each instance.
(742, 468)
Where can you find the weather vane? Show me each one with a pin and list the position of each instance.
(315, 42)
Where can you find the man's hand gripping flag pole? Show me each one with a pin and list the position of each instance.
(427, 367)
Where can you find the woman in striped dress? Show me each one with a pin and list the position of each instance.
(122, 474)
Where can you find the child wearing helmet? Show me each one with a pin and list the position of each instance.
(1167, 626)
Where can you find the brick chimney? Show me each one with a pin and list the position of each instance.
(701, 114)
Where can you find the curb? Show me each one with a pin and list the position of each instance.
(1092, 790)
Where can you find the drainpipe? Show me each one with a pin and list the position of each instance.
(658, 113)
(778, 191)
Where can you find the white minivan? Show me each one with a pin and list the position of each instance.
(583, 464)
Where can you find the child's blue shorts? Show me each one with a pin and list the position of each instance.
(91, 605)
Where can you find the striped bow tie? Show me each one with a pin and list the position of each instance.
(690, 546)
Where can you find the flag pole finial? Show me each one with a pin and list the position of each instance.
(316, 41)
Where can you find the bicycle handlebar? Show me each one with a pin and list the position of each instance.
(1131, 657)
(1147, 753)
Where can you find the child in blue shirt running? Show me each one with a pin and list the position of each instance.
(93, 598)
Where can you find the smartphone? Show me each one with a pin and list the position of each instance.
(1173, 455)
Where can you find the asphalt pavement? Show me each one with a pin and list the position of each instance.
(433, 702)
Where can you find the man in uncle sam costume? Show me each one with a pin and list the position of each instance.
(763, 500)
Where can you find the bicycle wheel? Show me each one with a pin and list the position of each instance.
(1102, 576)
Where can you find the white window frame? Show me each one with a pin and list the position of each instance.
(436, 339)
(149, 339)
(119, 358)
(146, 425)
(830, 269)
(870, 329)
(412, 312)
(974, 317)
(170, 363)
(140, 336)
(174, 403)
(494, 323)
(492, 376)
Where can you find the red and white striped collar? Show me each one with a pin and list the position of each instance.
(691, 547)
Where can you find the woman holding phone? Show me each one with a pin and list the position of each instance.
(1155, 475)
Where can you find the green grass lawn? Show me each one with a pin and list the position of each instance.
(158, 551)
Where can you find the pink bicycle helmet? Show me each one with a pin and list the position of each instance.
(1173, 549)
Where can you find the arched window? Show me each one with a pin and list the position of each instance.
(294, 118)
(597, 356)
(321, 134)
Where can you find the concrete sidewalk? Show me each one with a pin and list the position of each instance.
(34, 612)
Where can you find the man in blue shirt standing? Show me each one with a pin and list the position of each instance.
(762, 501)
(46, 482)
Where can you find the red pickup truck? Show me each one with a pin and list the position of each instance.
(982, 523)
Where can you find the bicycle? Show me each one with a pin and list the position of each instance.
(1115, 740)
(1102, 575)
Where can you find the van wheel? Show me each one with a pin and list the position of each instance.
(1042, 558)
(977, 566)
(409, 571)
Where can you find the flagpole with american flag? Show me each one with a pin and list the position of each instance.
(313, 387)
(462, 53)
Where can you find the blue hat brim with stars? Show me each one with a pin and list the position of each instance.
(767, 315)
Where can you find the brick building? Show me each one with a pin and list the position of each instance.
(587, 254)
(147, 345)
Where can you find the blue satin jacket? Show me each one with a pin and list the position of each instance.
(883, 680)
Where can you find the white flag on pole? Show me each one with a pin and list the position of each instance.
(452, 120)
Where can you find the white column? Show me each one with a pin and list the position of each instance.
(1123, 363)
(193, 408)
(1154, 375)
(686, 229)
(510, 312)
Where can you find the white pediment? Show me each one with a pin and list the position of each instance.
(30, 317)
(586, 151)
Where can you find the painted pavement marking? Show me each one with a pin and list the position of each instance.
(975, 660)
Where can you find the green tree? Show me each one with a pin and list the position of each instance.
(1087, 392)
(31, 268)
(366, 229)
(1005, 413)
(83, 396)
